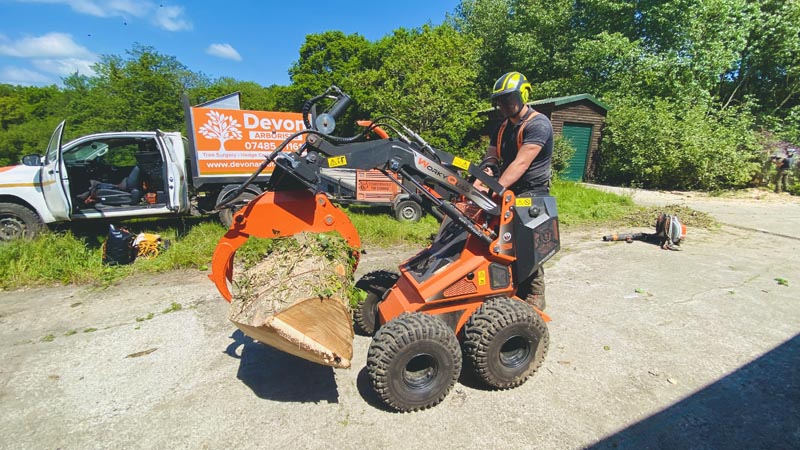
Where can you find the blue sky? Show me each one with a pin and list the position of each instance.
(44, 40)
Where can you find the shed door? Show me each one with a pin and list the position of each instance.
(579, 136)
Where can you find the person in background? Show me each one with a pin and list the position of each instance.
(784, 165)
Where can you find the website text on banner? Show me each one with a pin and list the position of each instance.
(235, 142)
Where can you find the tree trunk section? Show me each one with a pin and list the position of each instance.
(296, 299)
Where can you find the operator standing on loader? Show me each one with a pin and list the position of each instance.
(525, 142)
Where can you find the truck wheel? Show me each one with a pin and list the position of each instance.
(365, 312)
(408, 211)
(17, 222)
(505, 342)
(413, 361)
(226, 214)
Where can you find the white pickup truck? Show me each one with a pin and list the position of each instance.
(106, 176)
(121, 175)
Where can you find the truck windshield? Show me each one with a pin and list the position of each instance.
(87, 152)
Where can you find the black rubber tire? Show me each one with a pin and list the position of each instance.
(226, 214)
(18, 222)
(505, 342)
(408, 211)
(413, 361)
(365, 312)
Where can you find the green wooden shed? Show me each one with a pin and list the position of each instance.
(577, 118)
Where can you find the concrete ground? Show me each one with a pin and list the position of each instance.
(649, 348)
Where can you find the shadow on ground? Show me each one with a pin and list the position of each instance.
(279, 376)
(755, 407)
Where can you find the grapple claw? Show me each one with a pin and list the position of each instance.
(222, 262)
(273, 215)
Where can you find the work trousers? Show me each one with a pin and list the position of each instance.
(782, 178)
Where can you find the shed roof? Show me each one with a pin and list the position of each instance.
(558, 101)
(570, 99)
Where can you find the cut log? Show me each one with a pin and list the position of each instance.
(296, 299)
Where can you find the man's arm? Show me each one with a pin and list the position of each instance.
(525, 156)
(491, 154)
(491, 157)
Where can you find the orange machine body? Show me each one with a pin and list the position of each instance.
(456, 290)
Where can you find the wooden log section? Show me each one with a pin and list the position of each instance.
(296, 299)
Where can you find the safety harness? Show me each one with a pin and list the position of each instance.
(503, 126)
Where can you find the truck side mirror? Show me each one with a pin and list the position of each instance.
(32, 160)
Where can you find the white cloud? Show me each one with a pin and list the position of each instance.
(65, 67)
(170, 18)
(23, 77)
(53, 55)
(50, 45)
(223, 51)
(113, 8)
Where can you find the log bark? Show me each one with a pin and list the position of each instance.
(296, 299)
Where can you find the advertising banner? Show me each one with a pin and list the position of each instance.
(231, 142)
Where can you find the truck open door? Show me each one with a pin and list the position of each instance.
(53, 178)
(176, 182)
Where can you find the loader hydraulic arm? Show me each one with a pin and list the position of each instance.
(391, 155)
(294, 190)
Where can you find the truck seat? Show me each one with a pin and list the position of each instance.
(126, 192)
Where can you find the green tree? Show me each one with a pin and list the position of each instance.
(28, 115)
(428, 80)
(139, 92)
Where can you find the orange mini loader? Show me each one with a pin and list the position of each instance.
(453, 301)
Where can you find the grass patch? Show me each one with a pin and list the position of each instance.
(379, 228)
(172, 308)
(578, 205)
(74, 256)
(147, 317)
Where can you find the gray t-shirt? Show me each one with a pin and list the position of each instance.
(538, 131)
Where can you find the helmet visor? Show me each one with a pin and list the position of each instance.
(509, 104)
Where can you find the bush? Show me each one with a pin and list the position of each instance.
(670, 145)
(562, 154)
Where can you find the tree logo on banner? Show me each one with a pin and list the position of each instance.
(221, 127)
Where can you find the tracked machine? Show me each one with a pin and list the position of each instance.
(454, 302)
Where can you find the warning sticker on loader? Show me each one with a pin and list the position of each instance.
(461, 163)
(231, 142)
(337, 161)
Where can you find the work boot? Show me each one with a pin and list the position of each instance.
(536, 300)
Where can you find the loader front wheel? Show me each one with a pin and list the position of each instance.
(505, 342)
(413, 361)
(365, 311)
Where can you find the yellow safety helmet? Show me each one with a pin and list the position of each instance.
(512, 82)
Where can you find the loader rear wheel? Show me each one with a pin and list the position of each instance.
(414, 361)
(505, 342)
(365, 312)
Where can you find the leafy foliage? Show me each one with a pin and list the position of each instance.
(562, 154)
(427, 80)
(668, 145)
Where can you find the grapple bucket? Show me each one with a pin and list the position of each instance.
(317, 328)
